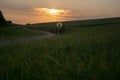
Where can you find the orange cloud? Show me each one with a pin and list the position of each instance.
(49, 11)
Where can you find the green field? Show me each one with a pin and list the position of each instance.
(18, 32)
(75, 24)
(88, 50)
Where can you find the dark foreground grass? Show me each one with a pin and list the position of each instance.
(90, 53)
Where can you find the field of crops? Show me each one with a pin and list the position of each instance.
(83, 53)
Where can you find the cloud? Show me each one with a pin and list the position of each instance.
(47, 11)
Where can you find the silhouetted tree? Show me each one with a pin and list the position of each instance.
(2, 19)
(4, 22)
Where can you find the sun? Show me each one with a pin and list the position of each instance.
(53, 11)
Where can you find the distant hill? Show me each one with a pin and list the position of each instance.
(78, 23)
(51, 26)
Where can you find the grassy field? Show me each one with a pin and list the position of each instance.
(17, 32)
(84, 53)
(75, 24)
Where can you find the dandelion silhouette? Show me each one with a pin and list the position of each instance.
(59, 25)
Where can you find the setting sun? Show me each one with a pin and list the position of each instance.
(53, 11)
(52, 14)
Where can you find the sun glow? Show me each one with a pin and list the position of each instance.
(52, 14)
(50, 11)
(53, 11)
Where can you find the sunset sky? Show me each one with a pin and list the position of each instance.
(38, 11)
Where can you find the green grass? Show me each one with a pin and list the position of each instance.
(18, 32)
(85, 53)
